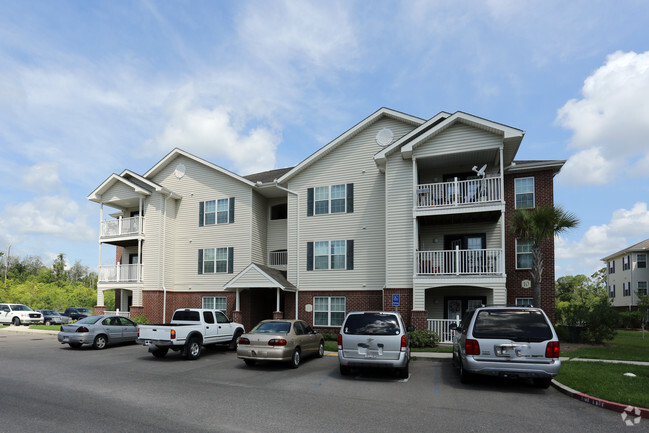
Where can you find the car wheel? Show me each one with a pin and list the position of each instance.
(250, 362)
(321, 349)
(542, 383)
(295, 359)
(160, 352)
(403, 372)
(345, 370)
(465, 376)
(233, 343)
(100, 342)
(16, 321)
(48, 323)
(75, 345)
(192, 349)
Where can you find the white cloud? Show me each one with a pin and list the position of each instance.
(42, 177)
(609, 123)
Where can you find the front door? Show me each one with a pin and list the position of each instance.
(459, 305)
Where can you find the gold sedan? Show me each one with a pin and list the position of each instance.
(280, 340)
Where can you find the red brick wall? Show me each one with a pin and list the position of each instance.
(405, 302)
(543, 196)
(153, 305)
(354, 301)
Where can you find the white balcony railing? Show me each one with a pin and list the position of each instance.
(442, 327)
(459, 192)
(460, 262)
(121, 227)
(120, 273)
(277, 258)
(126, 314)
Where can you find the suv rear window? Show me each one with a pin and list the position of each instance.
(515, 325)
(371, 324)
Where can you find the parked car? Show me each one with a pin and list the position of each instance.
(280, 340)
(51, 317)
(98, 331)
(374, 339)
(76, 313)
(517, 342)
(19, 314)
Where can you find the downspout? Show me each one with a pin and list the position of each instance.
(503, 225)
(164, 248)
(297, 246)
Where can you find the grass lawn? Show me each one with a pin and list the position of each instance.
(46, 327)
(607, 381)
(627, 346)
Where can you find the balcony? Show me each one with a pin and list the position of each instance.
(120, 273)
(278, 259)
(121, 227)
(460, 262)
(473, 192)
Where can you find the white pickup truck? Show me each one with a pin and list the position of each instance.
(190, 329)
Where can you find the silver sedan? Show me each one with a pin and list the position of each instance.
(98, 331)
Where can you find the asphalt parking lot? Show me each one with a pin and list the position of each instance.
(49, 386)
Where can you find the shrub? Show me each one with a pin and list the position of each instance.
(603, 321)
(141, 320)
(423, 338)
(329, 336)
(631, 319)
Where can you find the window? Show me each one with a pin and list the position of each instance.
(524, 191)
(611, 291)
(329, 255)
(626, 263)
(279, 212)
(330, 199)
(642, 260)
(215, 260)
(611, 267)
(642, 288)
(215, 303)
(328, 310)
(626, 289)
(216, 212)
(524, 302)
(523, 254)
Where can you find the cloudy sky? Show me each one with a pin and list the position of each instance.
(91, 88)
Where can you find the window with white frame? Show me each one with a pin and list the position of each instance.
(642, 288)
(524, 191)
(626, 263)
(611, 267)
(329, 255)
(328, 310)
(524, 302)
(215, 303)
(626, 289)
(330, 199)
(642, 260)
(215, 260)
(611, 291)
(523, 254)
(216, 212)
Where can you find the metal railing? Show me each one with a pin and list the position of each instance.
(121, 227)
(459, 192)
(120, 273)
(442, 327)
(460, 262)
(126, 314)
(277, 258)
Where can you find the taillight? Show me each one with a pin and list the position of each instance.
(552, 350)
(173, 334)
(404, 343)
(244, 340)
(277, 342)
(138, 332)
(340, 341)
(61, 328)
(472, 347)
(82, 329)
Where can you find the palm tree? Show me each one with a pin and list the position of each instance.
(538, 225)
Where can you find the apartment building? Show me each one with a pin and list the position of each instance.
(627, 275)
(398, 212)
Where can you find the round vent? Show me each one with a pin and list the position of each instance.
(180, 170)
(384, 137)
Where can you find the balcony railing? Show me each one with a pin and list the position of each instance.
(120, 273)
(121, 227)
(459, 192)
(460, 262)
(442, 327)
(277, 258)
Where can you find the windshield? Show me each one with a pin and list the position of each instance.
(83, 310)
(515, 325)
(89, 320)
(372, 324)
(20, 307)
(272, 328)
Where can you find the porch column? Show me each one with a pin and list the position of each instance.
(415, 226)
(100, 297)
(503, 222)
(277, 301)
(237, 306)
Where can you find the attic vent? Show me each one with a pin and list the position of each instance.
(180, 170)
(384, 137)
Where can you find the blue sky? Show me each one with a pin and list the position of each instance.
(92, 88)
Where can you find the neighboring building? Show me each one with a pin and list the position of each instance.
(627, 275)
(397, 208)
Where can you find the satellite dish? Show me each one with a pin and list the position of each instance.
(480, 172)
(179, 172)
(384, 137)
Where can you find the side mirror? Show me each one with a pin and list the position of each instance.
(315, 331)
(410, 328)
(453, 327)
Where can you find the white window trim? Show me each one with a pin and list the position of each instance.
(215, 261)
(330, 256)
(645, 288)
(329, 298)
(517, 253)
(516, 193)
(216, 212)
(638, 261)
(529, 302)
(223, 299)
(329, 199)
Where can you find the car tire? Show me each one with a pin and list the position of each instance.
(403, 372)
(100, 342)
(295, 358)
(192, 349)
(75, 345)
(465, 376)
(233, 343)
(345, 370)
(47, 323)
(15, 321)
(250, 362)
(542, 382)
(320, 353)
(160, 352)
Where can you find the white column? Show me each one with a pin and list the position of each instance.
(278, 295)
(238, 301)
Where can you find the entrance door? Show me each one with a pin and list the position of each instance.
(459, 305)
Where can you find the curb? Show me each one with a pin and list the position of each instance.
(601, 403)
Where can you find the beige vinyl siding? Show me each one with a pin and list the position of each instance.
(633, 275)
(428, 233)
(457, 139)
(201, 183)
(253, 278)
(258, 228)
(119, 191)
(151, 247)
(350, 162)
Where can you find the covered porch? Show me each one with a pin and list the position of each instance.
(123, 300)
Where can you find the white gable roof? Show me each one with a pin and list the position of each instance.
(108, 183)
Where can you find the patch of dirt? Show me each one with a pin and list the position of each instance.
(569, 347)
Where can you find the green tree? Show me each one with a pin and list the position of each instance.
(538, 226)
(59, 268)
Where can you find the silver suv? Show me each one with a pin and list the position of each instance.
(374, 339)
(517, 342)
